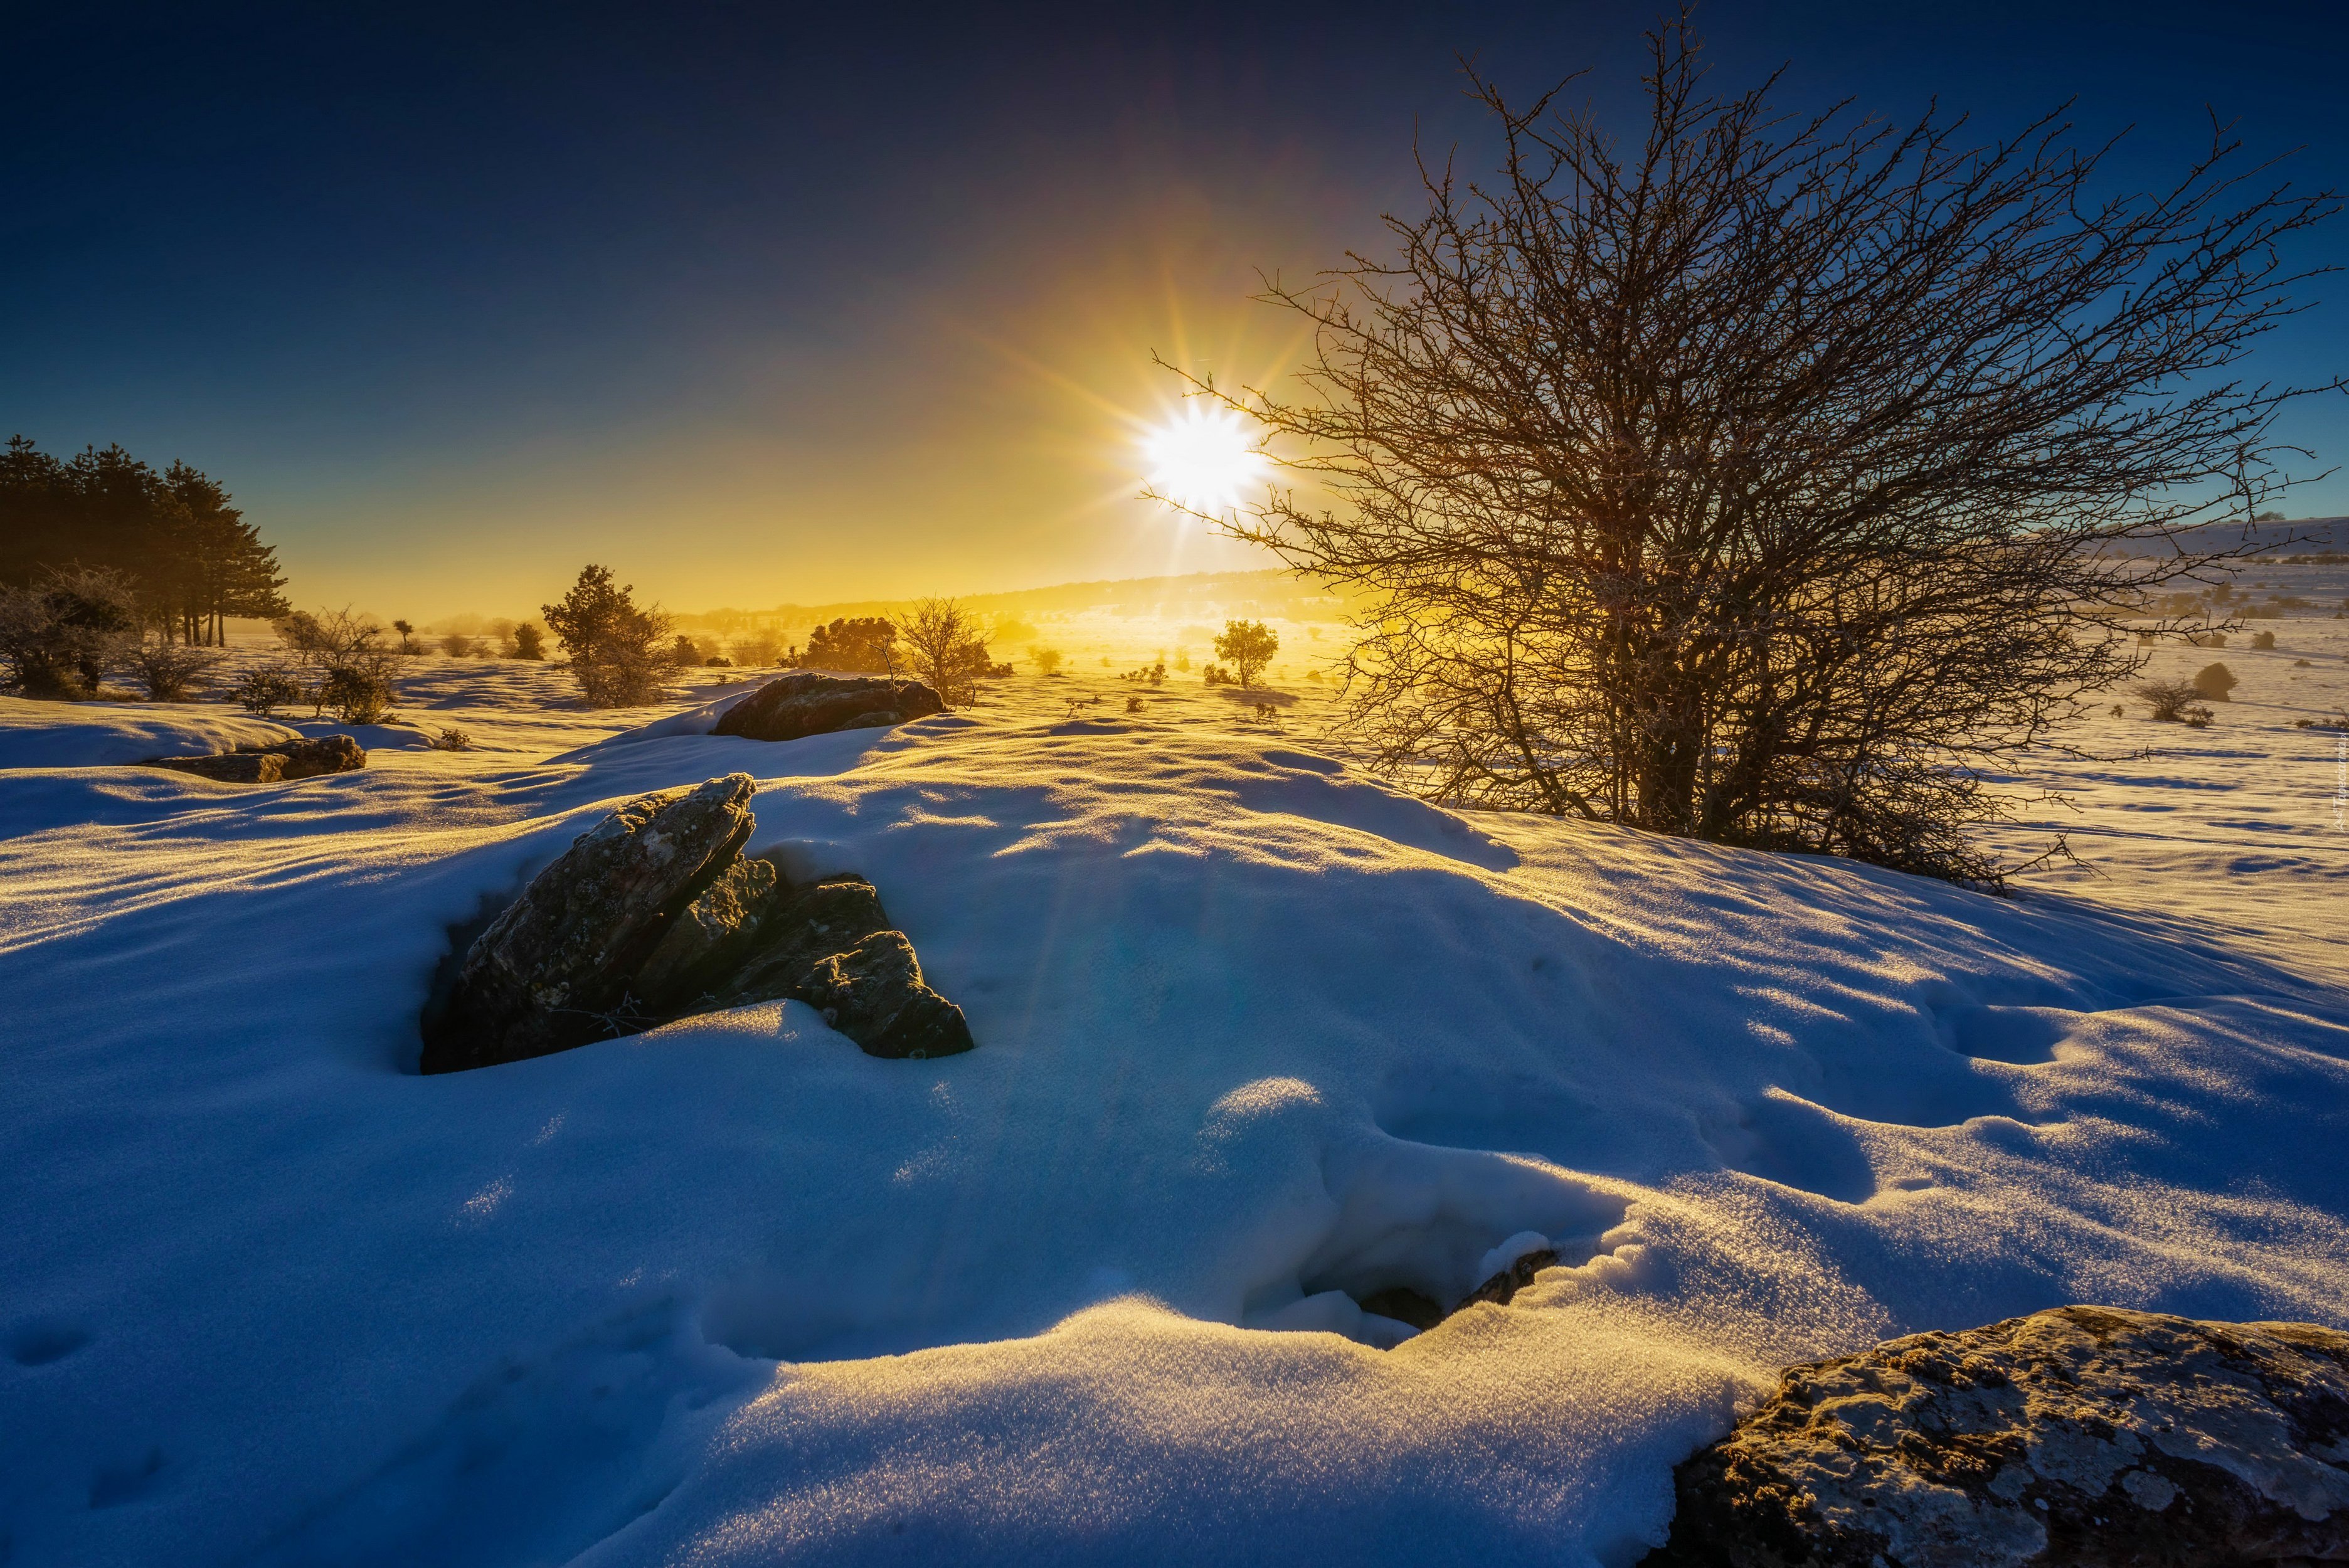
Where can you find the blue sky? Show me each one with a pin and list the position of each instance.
(761, 304)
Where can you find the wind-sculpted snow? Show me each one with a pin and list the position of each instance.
(1260, 1040)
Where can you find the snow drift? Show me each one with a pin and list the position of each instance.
(1256, 1039)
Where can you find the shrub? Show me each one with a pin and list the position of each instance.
(59, 635)
(451, 740)
(2169, 699)
(1045, 660)
(1249, 645)
(171, 672)
(758, 650)
(619, 654)
(2262, 641)
(1133, 705)
(457, 646)
(866, 646)
(355, 691)
(530, 642)
(261, 692)
(943, 646)
(407, 643)
(2206, 640)
(684, 653)
(2213, 682)
(1216, 675)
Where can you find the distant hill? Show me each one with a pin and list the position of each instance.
(2276, 541)
(1255, 596)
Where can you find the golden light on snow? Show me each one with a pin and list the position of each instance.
(1203, 459)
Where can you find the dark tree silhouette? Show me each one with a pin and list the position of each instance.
(1764, 478)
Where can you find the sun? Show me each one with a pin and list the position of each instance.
(1203, 461)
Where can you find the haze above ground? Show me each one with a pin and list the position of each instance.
(776, 307)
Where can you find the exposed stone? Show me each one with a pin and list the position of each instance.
(227, 768)
(873, 994)
(708, 939)
(554, 970)
(280, 763)
(1504, 1286)
(803, 925)
(1404, 1305)
(2082, 1436)
(309, 758)
(804, 702)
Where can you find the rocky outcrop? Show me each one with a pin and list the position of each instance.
(278, 764)
(873, 994)
(2083, 1436)
(804, 702)
(554, 970)
(656, 915)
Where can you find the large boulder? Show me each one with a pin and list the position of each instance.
(554, 970)
(276, 764)
(804, 702)
(2085, 1436)
(656, 915)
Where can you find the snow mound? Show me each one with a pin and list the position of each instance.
(1257, 1039)
(107, 733)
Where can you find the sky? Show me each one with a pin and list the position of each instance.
(769, 304)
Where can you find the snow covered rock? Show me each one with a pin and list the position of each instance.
(2084, 1435)
(554, 970)
(274, 764)
(652, 917)
(873, 994)
(804, 702)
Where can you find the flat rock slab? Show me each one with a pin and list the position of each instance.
(804, 702)
(278, 764)
(2084, 1435)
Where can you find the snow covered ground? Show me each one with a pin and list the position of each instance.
(1257, 1037)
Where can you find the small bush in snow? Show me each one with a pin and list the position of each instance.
(530, 642)
(2262, 640)
(1133, 705)
(171, 672)
(2213, 682)
(355, 692)
(451, 740)
(619, 652)
(59, 635)
(2169, 699)
(261, 692)
(1045, 660)
(457, 646)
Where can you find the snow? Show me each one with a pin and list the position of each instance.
(1256, 1036)
(91, 734)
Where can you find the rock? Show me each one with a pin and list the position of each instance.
(1503, 1287)
(708, 939)
(804, 702)
(803, 925)
(2084, 1436)
(554, 970)
(873, 994)
(308, 759)
(285, 761)
(228, 767)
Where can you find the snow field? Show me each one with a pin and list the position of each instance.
(1256, 1037)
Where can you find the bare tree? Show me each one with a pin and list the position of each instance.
(1764, 478)
(944, 647)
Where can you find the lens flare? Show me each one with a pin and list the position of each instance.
(1203, 461)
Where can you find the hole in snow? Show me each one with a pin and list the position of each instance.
(42, 1340)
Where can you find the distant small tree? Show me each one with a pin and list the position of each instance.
(1249, 645)
(457, 646)
(530, 642)
(684, 653)
(407, 643)
(264, 690)
(59, 635)
(943, 646)
(1045, 660)
(2169, 699)
(619, 652)
(867, 645)
(2264, 640)
(757, 649)
(2213, 682)
(171, 671)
